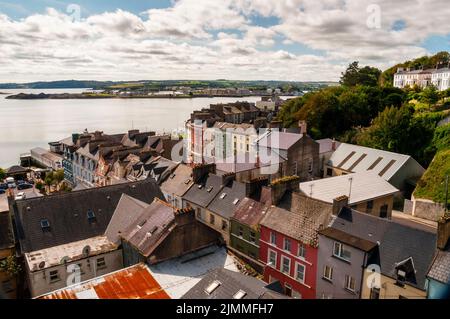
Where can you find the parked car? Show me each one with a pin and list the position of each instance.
(3, 186)
(24, 186)
(12, 185)
(20, 182)
(9, 180)
(2, 191)
(20, 196)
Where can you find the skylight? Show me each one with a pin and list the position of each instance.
(240, 294)
(210, 188)
(236, 200)
(213, 286)
(222, 196)
(45, 224)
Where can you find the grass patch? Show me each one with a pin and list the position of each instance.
(432, 184)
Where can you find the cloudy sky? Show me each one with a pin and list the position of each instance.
(304, 40)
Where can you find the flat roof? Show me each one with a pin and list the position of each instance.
(177, 276)
(135, 282)
(364, 186)
(72, 251)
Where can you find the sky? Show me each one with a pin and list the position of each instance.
(293, 40)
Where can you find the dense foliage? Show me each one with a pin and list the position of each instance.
(2, 174)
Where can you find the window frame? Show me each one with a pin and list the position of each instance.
(325, 275)
(283, 258)
(297, 266)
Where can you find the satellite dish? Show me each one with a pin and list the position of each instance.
(86, 250)
(41, 264)
(64, 260)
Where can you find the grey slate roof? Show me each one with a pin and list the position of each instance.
(279, 140)
(67, 213)
(226, 206)
(231, 283)
(398, 242)
(126, 213)
(201, 196)
(153, 225)
(440, 269)
(179, 182)
(6, 231)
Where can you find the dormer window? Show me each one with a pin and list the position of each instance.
(401, 276)
(45, 225)
(91, 216)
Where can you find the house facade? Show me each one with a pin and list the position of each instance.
(7, 250)
(61, 266)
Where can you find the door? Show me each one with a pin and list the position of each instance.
(384, 211)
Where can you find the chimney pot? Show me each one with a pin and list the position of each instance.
(339, 203)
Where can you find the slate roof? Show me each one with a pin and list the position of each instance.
(127, 211)
(365, 186)
(153, 225)
(279, 140)
(199, 194)
(440, 269)
(302, 224)
(398, 242)
(225, 206)
(67, 213)
(179, 181)
(231, 282)
(250, 212)
(6, 231)
(355, 158)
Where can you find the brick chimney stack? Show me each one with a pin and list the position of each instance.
(303, 127)
(339, 203)
(279, 187)
(201, 170)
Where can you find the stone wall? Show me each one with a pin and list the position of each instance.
(427, 209)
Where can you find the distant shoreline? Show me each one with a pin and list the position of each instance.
(66, 96)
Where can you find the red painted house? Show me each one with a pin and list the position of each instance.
(288, 245)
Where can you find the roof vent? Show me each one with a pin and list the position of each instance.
(86, 250)
(41, 264)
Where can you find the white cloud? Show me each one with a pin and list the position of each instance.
(217, 39)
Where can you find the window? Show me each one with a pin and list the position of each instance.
(300, 273)
(301, 250)
(252, 237)
(285, 265)
(240, 294)
(369, 206)
(101, 263)
(287, 244)
(341, 251)
(384, 211)
(349, 283)
(45, 225)
(241, 231)
(198, 213)
(329, 172)
(91, 216)
(288, 290)
(401, 275)
(211, 219)
(272, 260)
(224, 225)
(213, 286)
(273, 238)
(328, 273)
(375, 293)
(54, 276)
(310, 165)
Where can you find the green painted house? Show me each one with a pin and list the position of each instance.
(244, 230)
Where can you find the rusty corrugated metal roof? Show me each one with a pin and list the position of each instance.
(135, 282)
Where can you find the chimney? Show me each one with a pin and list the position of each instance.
(333, 145)
(200, 170)
(132, 133)
(228, 177)
(339, 203)
(254, 186)
(443, 232)
(280, 186)
(75, 137)
(303, 127)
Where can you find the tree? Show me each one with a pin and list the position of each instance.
(58, 176)
(429, 96)
(354, 75)
(10, 266)
(2, 173)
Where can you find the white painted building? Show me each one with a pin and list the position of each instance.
(441, 79)
(60, 266)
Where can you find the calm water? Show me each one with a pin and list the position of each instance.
(30, 123)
